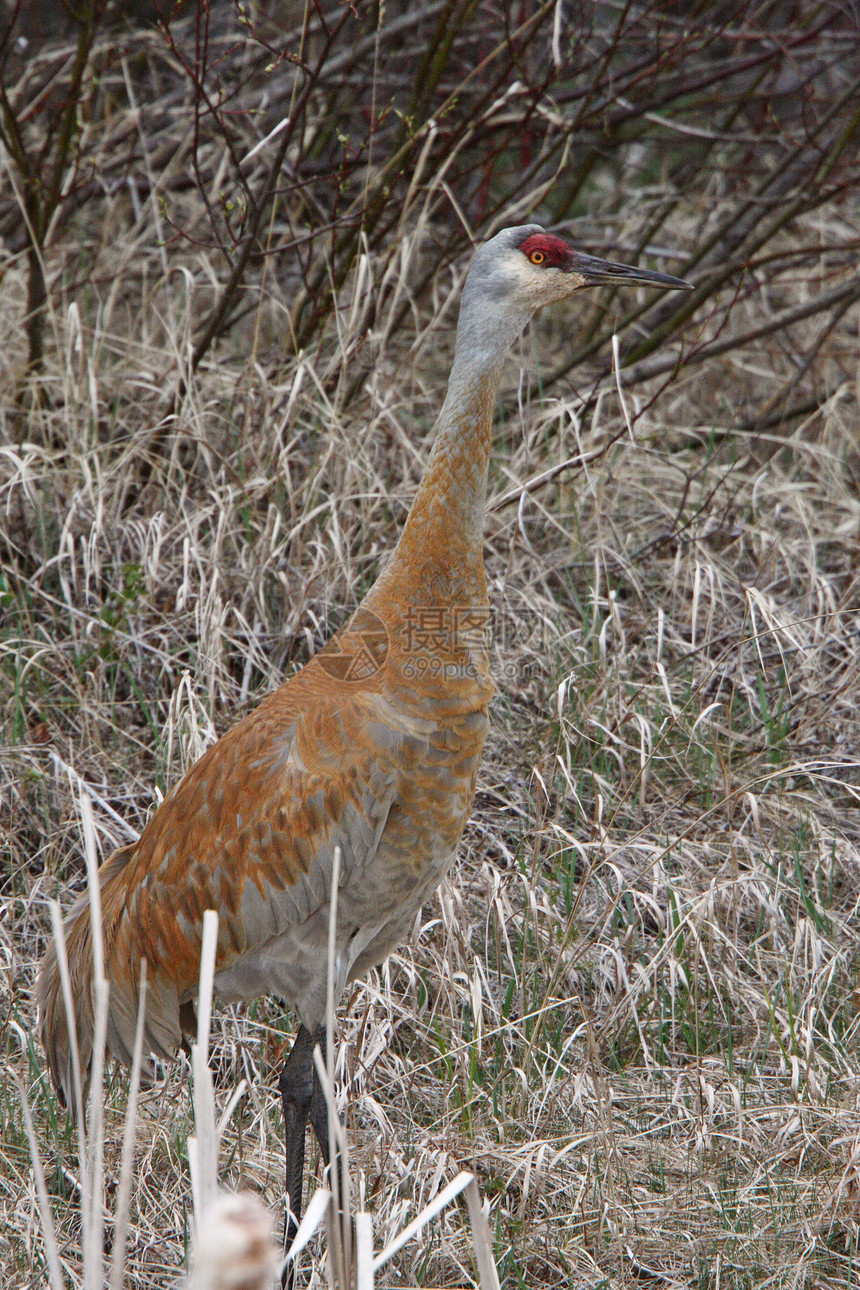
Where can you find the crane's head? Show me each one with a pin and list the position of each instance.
(515, 274)
(525, 268)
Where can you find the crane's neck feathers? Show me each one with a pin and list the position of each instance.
(440, 552)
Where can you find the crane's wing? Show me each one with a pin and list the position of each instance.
(251, 831)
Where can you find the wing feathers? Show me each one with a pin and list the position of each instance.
(250, 831)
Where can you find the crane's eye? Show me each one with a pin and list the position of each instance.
(537, 257)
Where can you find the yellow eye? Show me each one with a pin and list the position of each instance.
(537, 257)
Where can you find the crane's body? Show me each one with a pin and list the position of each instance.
(373, 747)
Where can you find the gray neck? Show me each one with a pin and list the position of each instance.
(440, 552)
(486, 330)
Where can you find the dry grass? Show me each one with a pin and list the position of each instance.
(631, 1008)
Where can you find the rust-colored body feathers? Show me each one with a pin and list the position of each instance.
(251, 830)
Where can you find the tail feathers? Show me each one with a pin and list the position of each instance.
(162, 1033)
(53, 1021)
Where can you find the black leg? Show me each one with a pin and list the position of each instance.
(319, 1106)
(304, 1101)
(297, 1088)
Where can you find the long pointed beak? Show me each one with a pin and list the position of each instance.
(596, 271)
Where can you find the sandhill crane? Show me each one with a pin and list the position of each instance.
(372, 748)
